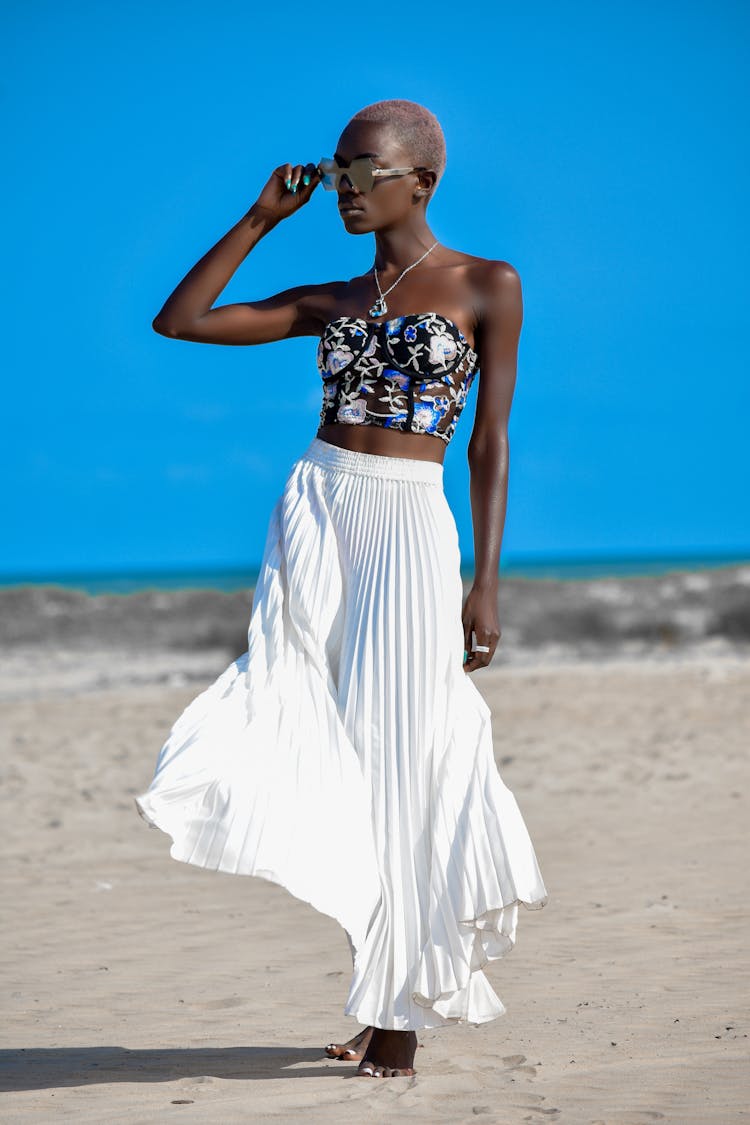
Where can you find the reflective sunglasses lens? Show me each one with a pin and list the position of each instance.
(329, 172)
(360, 174)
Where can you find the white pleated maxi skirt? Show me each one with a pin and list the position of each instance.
(348, 757)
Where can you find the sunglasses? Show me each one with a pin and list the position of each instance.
(361, 173)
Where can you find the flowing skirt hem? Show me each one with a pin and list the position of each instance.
(150, 811)
(475, 1003)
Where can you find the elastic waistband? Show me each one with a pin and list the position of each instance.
(330, 456)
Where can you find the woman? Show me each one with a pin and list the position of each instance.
(351, 717)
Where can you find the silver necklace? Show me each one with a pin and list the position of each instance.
(380, 308)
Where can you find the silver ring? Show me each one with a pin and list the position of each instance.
(481, 648)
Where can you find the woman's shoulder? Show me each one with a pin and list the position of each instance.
(486, 276)
(492, 285)
(488, 271)
(496, 289)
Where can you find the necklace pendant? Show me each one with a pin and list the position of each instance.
(379, 308)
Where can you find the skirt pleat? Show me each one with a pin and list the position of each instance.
(348, 757)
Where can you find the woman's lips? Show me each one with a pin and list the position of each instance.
(349, 209)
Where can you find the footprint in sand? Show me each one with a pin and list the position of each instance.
(217, 1005)
(514, 1060)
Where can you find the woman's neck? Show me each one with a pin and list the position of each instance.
(398, 248)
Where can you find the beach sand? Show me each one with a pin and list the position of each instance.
(138, 989)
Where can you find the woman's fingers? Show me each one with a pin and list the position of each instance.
(302, 180)
(302, 176)
(289, 186)
(310, 177)
(468, 627)
(476, 640)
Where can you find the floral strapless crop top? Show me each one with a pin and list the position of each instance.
(409, 373)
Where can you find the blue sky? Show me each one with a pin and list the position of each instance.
(601, 149)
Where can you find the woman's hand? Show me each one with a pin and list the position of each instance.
(480, 617)
(289, 188)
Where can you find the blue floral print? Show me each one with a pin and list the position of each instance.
(408, 373)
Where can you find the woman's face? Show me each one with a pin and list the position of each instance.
(391, 200)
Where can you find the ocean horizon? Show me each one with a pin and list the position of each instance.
(232, 578)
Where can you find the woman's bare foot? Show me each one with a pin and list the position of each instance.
(353, 1049)
(389, 1054)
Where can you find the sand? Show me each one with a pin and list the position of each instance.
(138, 989)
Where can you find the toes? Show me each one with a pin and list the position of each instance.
(367, 1070)
(350, 1051)
(339, 1051)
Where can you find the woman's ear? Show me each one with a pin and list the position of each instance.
(426, 180)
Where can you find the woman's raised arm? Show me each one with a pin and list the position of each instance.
(187, 313)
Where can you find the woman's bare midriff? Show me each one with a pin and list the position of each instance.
(384, 442)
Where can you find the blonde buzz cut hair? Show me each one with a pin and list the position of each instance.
(414, 127)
